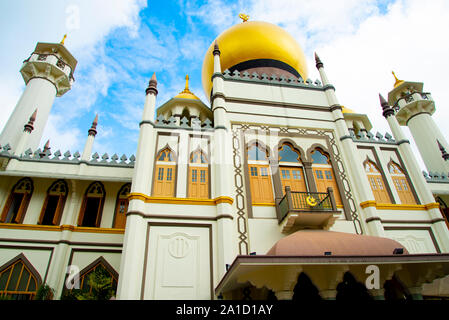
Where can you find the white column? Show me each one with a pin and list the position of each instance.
(426, 133)
(87, 152)
(39, 94)
(361, 188)
(222, 163)
(414, 171)
(132, 261)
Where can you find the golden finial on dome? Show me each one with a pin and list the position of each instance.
(186, 93)
(63, 39)
(397, 81)
(186, 89)
(244, 17)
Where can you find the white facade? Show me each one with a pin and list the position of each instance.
(178, 247)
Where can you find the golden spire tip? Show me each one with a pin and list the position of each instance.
(244, 17)
(397, 81)
(63, 39)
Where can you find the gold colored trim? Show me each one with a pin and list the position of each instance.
(184, 201)
(264, 204)
(388, 206)
(59, 228)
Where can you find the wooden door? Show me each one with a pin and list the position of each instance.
(325, 178)
(164, 184)
(260, 183)
(378, 188)
(120, 213)
(198, 182)
(293, 177)
(403, 189)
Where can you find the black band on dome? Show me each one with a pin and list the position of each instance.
(261, 63)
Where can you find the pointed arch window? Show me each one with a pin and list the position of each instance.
(164, 174)
(54, 203)
(291, 169)
(121, 206)
(18, 279)
(102, 268)
(376, 182)
(198, 175)
(17, 202)
(259, 175)
(92, 206)
(401, 184)
(324, 174)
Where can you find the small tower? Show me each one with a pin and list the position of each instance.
(48, 73)
(414, 108)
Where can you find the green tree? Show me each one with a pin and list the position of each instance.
(100, 287)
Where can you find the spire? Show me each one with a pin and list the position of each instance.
(318, 62)
(244, 17)
(29, 126)
(216, 49)
(186, 89)
(387, 110)
(63, 39)
(93, 129)
(152, 85)
(444, 154)
(47, 146)
(397, 81)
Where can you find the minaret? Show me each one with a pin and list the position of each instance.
(414, 108)
(48, 73)
(363, 191)
(92, 132)
(424, 194)
(131, 273)
(27, 129)
(222, 168)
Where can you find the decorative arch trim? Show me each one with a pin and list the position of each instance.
(201, 151)
(258, 143)
(167, 147)
(20, 215)
(293, 145)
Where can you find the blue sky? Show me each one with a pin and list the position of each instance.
(119, 44)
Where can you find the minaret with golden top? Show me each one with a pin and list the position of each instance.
(48, 73)
(414, 108)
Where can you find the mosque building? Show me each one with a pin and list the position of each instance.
(271, 189)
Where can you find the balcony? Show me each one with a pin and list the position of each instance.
(299, 210)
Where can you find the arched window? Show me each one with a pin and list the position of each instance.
(290, 168)
(259, 175)
(17, 202)
(54, 203)
(92, 206)
(101, 266)
(105, 281)
(121, 206)
(18, 279)
(198, 175)
(401, 184)
(324, 174)
(376, 182)
(164, 174)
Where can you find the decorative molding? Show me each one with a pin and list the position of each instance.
(266, 79)
(71, 228)
(404, 207)
(342, 179)
(183, 201)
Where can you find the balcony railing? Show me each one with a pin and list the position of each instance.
(306, 209)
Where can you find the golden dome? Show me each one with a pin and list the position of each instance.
(186, 93)
(253, 40)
